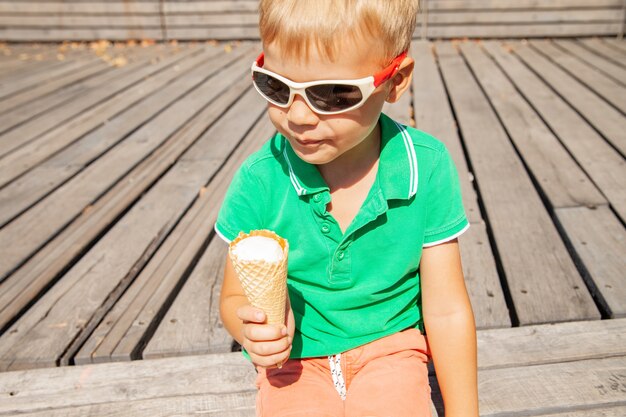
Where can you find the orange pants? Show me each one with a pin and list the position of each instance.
(387, 377)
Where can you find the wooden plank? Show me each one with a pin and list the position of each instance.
(470, 5)
(177, 7)
(551, 343)
(43, 136)
(227, 404)
(561, 387)
(562, 181)
(608, 67)
(90, 68)
(599, 239)
(522, 30)
(65, 21)
(606, 119)
(610, 411)
(618, 44)
(101, 89)
(41, 336)
(218, 33)
(141, 311)
(44, 266)
(600, 48)
(543, 281)
(193, 323)
(517, 16)
(481, 279)
(143, 175)
(598, 159)
(58, 35)
(134, 106)
(611, 91)
(91, 7)
(213, 375)
(31, 130)
(433, 115)
(19, 115)
(213, 19)
(37, 61)
(79, 80)
(17, 82)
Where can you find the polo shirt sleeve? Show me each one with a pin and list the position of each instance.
(241, 209)
(445, 218)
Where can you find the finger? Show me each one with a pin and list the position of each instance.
(269, 348)
(250, 314)
(262, 332)
(272, 361)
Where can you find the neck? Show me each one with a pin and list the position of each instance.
(353, 165)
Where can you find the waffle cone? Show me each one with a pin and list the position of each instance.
(265, 283)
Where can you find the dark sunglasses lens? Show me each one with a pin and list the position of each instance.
(272, 88)
(334, 97)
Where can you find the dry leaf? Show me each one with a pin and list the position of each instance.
(228, 49)
(60, 57)
(120, 61)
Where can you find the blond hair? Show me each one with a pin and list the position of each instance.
(296, 25)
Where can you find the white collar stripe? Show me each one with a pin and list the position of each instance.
(410, 150)
(294, 180)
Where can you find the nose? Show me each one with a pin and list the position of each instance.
(300, 113)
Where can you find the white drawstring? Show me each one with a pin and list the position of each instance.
(335, 371)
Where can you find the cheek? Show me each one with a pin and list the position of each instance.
(276, 115)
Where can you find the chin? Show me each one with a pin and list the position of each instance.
(314, 158)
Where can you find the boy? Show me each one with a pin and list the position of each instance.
(371, 210)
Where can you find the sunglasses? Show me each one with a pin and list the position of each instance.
(323, 96)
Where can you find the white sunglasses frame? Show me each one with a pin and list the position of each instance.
(365, 85)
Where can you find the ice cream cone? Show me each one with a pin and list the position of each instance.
(265, 283)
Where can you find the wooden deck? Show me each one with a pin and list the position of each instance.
(114, 160)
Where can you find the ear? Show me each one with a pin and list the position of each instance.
(402, 80)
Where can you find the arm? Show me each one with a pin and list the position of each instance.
(266, 344)
(450, 328)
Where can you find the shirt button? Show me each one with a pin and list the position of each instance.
(317, 198)
(340, 255)
(325, 228)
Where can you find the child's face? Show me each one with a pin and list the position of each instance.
(319, 139)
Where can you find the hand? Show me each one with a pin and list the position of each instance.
(267, 344)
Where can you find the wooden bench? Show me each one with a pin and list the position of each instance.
(444, 19)
(55, 20)
(568, 369)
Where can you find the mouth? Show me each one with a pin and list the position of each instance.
(307, 142)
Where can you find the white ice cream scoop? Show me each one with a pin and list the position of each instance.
(258, 248)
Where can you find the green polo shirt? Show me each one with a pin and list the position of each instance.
(348, 289)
